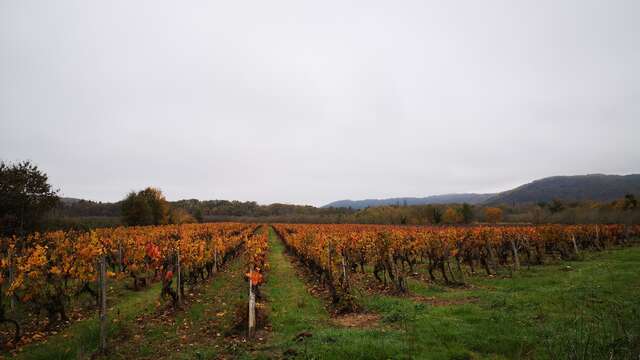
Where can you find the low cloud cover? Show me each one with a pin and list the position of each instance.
(309, 102)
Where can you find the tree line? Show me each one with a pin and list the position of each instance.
(28, 202)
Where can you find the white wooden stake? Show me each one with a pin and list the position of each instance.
(514, 249)
(575, 245)
(252, 307)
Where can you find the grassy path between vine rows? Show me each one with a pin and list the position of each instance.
(80, 339)
(201, 330)
(553, 311)
(559, 310)
(140, 329)
(293, 310)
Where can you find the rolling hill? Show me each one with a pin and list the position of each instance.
(435, 199)
(597, 187)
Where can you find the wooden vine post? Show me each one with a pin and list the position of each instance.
(179, 276)
(330, 260)
(252, 305)
(575, 245)
(102, 276)
(514, 249)
(345, 279)
(11, 278)
(460, 270)
(492, 258)
(120, 261)
(215, 259)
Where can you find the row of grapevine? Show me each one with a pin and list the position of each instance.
(256, 252)
(332, 252)
(44, 271)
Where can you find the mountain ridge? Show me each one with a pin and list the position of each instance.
(596, 187)
(470, 198)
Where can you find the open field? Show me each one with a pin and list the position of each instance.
(582, 307)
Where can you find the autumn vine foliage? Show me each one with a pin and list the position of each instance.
(256, 252)
(44, 271)
(256, 260)
(333, 252)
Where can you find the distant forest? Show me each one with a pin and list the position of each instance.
(72, 213)
(594, 198)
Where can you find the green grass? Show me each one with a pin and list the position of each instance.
(545, 312)
(581, 309)
(129, 338)
(81, 338)
(191, 333)
(292, 308)
(295, 310)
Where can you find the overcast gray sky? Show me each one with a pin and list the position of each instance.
(314, 101)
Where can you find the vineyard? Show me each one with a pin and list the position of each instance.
(392, 253)
(46, 273)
